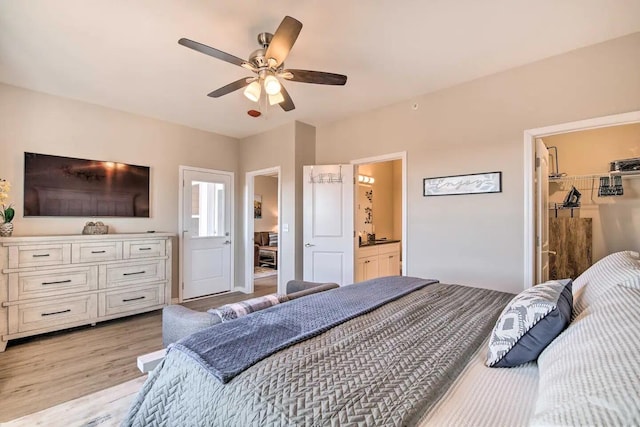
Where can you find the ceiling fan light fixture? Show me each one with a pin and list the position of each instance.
(271, 85)
(276, 99)
(253, 91)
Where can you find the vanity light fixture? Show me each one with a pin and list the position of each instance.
(366, 179)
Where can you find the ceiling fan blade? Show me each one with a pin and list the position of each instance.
(283, 39)
(208, 50)
(317, 77)
(287, 104)
(238, 84)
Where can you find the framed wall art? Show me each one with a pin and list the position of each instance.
(476, 183)
(257, 206)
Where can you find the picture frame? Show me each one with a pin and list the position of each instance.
(452, 185)
(257, 206)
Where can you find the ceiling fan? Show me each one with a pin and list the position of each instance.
(268, 65)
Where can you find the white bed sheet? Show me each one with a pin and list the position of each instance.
(483, 396)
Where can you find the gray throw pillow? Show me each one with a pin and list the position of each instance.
(529, 323)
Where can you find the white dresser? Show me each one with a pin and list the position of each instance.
(49, 283)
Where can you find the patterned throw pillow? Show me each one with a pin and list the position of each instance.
(273, 239)
(529, 323)
(233, 311)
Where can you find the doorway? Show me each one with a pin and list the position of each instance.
(380, 216)
(534, 211)
(206, 240)
(262, 242)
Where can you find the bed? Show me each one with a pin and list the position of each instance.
(416, 358)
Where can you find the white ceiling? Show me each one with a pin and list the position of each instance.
(124, 54)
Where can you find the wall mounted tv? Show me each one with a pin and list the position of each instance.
(64, 186)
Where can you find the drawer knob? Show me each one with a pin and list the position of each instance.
(57, 282)
(133, 299)
(98, 252)
(135, 272)
(40, 255)
(144, 249)
(68, 310)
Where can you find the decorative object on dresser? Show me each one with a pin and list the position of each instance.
(6, 212)
(48, 283)
(95, 228)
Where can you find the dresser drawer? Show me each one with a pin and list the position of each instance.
(49, 315)
(144, 248)
(45, 283)
(123, 301)
(134, 272)
(39, 255)
(94, 252)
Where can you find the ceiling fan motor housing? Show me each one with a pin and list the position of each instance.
(257, 57)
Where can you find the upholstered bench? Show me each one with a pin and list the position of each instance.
(179, 321)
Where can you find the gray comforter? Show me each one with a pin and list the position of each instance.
(231, 347)
(386, 367)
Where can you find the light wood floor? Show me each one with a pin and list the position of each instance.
(39, 372)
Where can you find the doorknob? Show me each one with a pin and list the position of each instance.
(549, 252)
(308, 245)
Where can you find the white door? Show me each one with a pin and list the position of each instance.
(542, 209)
(328, 232)
(207, 232)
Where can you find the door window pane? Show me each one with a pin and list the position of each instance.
(207, 209)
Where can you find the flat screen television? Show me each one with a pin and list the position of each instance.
(64, 186)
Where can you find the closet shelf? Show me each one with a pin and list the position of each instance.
(591, 181)
(568, 178)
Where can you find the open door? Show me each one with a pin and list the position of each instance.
(542, 212)
(328, 234)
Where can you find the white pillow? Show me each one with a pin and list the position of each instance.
(618, 268)
(589, 375)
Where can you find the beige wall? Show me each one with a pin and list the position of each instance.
(289, 147)
(478, 127)
(616, 220)
(40, 123)
(305, 154)
(267, 188)
(267, 150)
